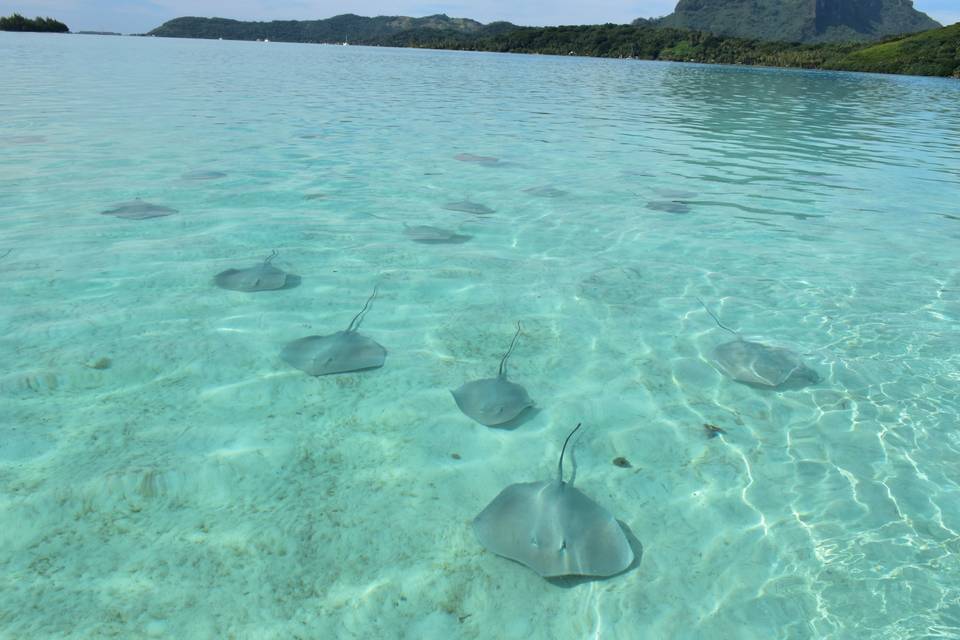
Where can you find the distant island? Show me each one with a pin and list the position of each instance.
(933, 53)
(17, 22)
(99, 33)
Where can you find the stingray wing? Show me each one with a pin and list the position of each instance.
(554, 529)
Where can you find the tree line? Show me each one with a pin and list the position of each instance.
(17, 22)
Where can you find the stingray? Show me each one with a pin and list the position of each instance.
(204, 175)
(262, 277)
(433, 235)
(138, 210)
(25, 139)
(339, 352)
(469, 157)
(545, 192)
(466, 206)
(760, 365)
(494, 401)
(554, 529)
(670, 206)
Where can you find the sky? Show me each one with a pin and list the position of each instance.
(139, 16)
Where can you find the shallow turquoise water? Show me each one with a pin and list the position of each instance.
(163, 473)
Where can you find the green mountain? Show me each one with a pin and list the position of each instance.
(800, 20)
(344, 28)
(931, 53)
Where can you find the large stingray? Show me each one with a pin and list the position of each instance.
(338, 352)
(554, 528)
(261, 277)
(494, 401)
(138, 210)
(760, 365)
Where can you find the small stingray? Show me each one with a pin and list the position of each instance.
(433, 235)
(314, 196)
(469, 157)
(554, 529)
(262, 277)
(617, 286)
(339, 352)
(545, 192)
(138, 210)
(760, 365)
(670, 206)
(494, 401)
(204, 175)
(469, 207)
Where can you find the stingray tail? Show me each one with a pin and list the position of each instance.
(273, 254)
(357, 319)
(564, 449)
(716, 319)
(503, 360)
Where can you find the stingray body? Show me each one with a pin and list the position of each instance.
(469, 157)
(545, 192)
(433, 235)
(203, 175)
(670, 206)
(261, 277)
(138, 210)
(554, 529)
(493, 401)
(760, 365)
(339, 352)
(465, 206)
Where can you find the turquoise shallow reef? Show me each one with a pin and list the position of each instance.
(164, 472)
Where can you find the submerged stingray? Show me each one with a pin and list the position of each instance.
(617, 286)
(554, 529)
(138, 210)
(433, 235)
(466, 206)
(760, 365)
(24, 139)
(469, 157)
(494, 401)
(338, 352)
(262, 277)
(545, 192)
(670, 206)
(204, 175)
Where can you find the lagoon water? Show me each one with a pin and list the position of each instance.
(163, 473)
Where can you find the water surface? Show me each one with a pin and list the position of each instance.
(164, 473)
